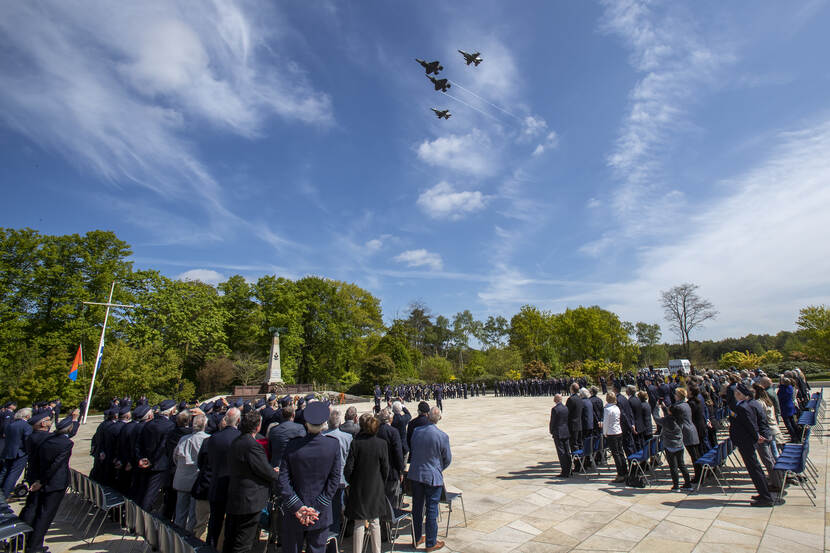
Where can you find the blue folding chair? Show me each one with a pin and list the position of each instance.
(796, 466)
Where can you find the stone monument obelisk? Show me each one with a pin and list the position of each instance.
(274, 375)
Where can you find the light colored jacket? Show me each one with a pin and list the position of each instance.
(611, 420)
(345, 440)
(184, 457)
(772, 420)
(430, 455)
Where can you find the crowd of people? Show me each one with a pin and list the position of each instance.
(212, 469)
(681, 411)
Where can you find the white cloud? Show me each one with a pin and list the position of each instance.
(497, 77)
(373, 245)
(469, 153)
(759, 254)
(677, 64)
(442, 201)
(533, 126)
(114, 88)
(551, 142)
(420, 258)
(207, 276)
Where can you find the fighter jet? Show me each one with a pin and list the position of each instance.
(431, 66)
(440, 84)
(471, 58)
(442, 114)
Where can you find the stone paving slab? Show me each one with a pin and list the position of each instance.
(505, 463)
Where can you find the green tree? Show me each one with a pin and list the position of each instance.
(436, 369)
(814, 322)
(531, 332)
(378, 369)
(152, 369)
(593, 333)
(648, 339)
(244, 323)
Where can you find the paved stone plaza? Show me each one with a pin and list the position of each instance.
(504, 462)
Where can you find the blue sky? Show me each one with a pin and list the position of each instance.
(601, 152)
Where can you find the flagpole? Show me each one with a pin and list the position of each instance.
(98, 355)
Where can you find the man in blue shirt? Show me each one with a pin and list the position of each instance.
(430, 456)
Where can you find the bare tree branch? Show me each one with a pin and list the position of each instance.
(685, 310)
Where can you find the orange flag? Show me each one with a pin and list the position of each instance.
(79, 360)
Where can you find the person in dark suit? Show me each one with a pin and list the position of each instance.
(53, 478)
(367, 470)
(309, 476)
(626, 419)
(636, 417)
(421, 420)
(400, 420)
(598, 407)
(743, 430)
(250, 478)
(558, 428)
(14, 451)
(588, 424)
(41, 423)
(279, 436)
(574, 405)
(218, 447)
(644, 424)
(392, 438)
(152, 454)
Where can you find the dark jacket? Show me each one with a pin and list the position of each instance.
(309, 476)
(53, 458)
(251, 476)
(558, 426)
(394, 449)
(598, 408)
(399, 423)
(201, 486)
(152, 440)
(278, 439)
(683, 413)
(219, 445)
(626, 414)
(785, 400)
(699, 417)
(32, 444)
(350, 427)
(588, 421)
(574, 405)
(16, 434)
(637, 413)
(743, 428)
(645, 419)
(420, 420)
(367, 468)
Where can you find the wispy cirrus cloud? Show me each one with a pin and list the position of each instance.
(208, 276)
(677, 63)
(114, 89)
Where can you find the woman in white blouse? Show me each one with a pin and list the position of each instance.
(612, 430)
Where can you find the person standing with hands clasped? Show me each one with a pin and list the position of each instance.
(309, 477)
(744, 433)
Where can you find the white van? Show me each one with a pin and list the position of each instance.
(681, 366)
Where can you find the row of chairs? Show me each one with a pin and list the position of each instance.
(13, 531)
(714, 462)
(86, 501)
(794, 460)
(158, 534)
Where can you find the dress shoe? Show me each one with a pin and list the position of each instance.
(438, 545)
(619, 479)
(563, 475)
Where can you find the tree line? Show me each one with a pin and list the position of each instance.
(188, 339)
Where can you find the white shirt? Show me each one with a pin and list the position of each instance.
(184, 457)
(611, 420)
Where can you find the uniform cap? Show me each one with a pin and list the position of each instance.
(285, 400)
(140, 411)
(124, 410)
(317, 412)
(310, 397)
(64, 422)
(167, 404)
(39, 417)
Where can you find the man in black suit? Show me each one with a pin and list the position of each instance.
(53, 477)
(744, 433)
(41, 423)
(392, 437)
(626, 420)
(251, 477)
(280, 435)
(561, 435)
(637, 417)
(574, 405)
(218, 447)
(421, 420)
(152, 454)
(309, 476)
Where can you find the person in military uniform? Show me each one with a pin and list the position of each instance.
(14, 453)
(41, 424)
(152, 455)
(218, 447)
(309, 476)
(559, 431)
(53, 455)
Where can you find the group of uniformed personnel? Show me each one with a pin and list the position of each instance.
(29, 443)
